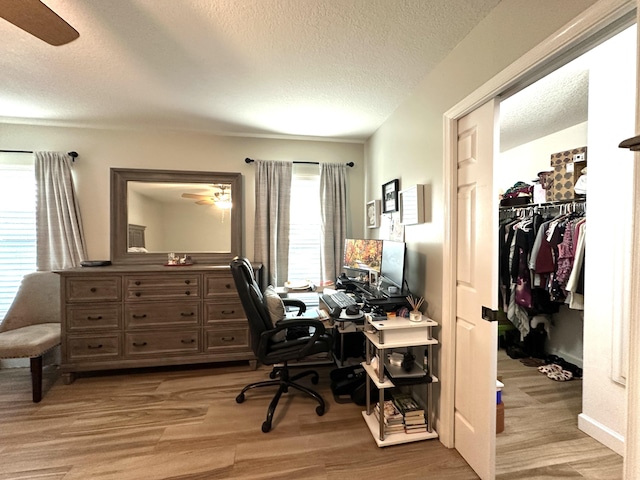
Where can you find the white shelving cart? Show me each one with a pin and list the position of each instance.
(386, 334)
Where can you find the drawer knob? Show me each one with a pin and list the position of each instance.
(137, 282)
(228, 312)
(185, 314)
(138, 294)
(94, 347)
(139, 344)
(187, 292)
(93, 289)
(188, 341)
(188, 282)
(99, 317)
(228, 285)
(144, 315)
(227, 339)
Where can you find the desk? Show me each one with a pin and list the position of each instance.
(344, 326)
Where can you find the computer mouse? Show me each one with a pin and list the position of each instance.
(352, 310)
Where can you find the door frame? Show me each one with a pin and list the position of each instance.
(540, 60)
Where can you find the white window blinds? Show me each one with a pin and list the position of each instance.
(304, 233)
(17, 224)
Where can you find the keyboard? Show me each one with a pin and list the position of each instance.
(338, 299)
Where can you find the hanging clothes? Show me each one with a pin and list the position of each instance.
(540, 263)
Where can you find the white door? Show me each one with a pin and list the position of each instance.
(476, 286)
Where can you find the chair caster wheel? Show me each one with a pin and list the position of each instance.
(320, 410)
(272, 374)
(266, 426)
(314, 379)
(240, 398)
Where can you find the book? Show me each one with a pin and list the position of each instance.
(407, 405)
(415, 421)
(391, 413)
(415, 430)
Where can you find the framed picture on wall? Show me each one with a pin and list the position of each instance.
(373, 214)
(390, 196)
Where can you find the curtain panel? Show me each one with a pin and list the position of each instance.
(333, 210)
(273, 202)
(60, 236)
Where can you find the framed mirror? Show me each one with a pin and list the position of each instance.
(157, 212)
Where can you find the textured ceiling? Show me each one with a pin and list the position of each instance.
(556, 102)
(328, 68)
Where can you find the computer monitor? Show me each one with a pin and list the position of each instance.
(392, 265)
(362, 255)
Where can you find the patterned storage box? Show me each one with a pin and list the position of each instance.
(567, 167)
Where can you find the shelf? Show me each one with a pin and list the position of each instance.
(394, 438)
(373, 375)
(399, 342)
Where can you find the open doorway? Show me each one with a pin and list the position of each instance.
(589, 102)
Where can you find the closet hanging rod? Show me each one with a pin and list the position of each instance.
(546, 204)
(348, 164)
(72, 154)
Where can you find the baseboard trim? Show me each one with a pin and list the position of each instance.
(567, 356)
(602, 434)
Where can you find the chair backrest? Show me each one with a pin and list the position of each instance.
(252, 300)
(37, 301)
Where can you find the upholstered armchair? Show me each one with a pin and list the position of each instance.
(31, 327)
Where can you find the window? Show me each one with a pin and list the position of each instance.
(305, 225)
(17, 224)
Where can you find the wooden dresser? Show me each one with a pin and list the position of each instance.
(143, 316)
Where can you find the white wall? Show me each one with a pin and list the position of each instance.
(611, 119)
(409, 145)
(523, 162)
(102, 149)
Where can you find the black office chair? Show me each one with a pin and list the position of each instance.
(271, 352)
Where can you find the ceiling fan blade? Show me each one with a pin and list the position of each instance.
(196, 196)
(205, 202)
(36, 18)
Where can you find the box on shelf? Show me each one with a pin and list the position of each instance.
(567, 168)
(500, 418)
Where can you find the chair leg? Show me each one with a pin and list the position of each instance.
(298, 376)
(311, 393)
(36, 378)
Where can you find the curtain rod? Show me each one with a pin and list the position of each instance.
(251, 160)
(73, 155)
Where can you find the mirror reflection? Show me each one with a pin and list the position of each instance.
(156, 212)
(178, 217)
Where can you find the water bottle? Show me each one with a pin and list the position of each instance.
(425, 362)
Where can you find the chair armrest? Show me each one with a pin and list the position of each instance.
(292, 302)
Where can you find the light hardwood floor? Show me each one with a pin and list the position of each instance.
(541, 439)
(185, 424)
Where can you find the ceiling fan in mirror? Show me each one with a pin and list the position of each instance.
(36, 18)
(220, 197)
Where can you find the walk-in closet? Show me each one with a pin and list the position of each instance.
(563, 272)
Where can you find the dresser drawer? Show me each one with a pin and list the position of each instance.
(219, 285)
(144, 315)
(224, 310)
(162, 343)
(93, 317)
(161, 287)
(218, 339)
(92, 289)
(93, 347)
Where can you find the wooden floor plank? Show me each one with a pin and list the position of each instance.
(184, 423)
